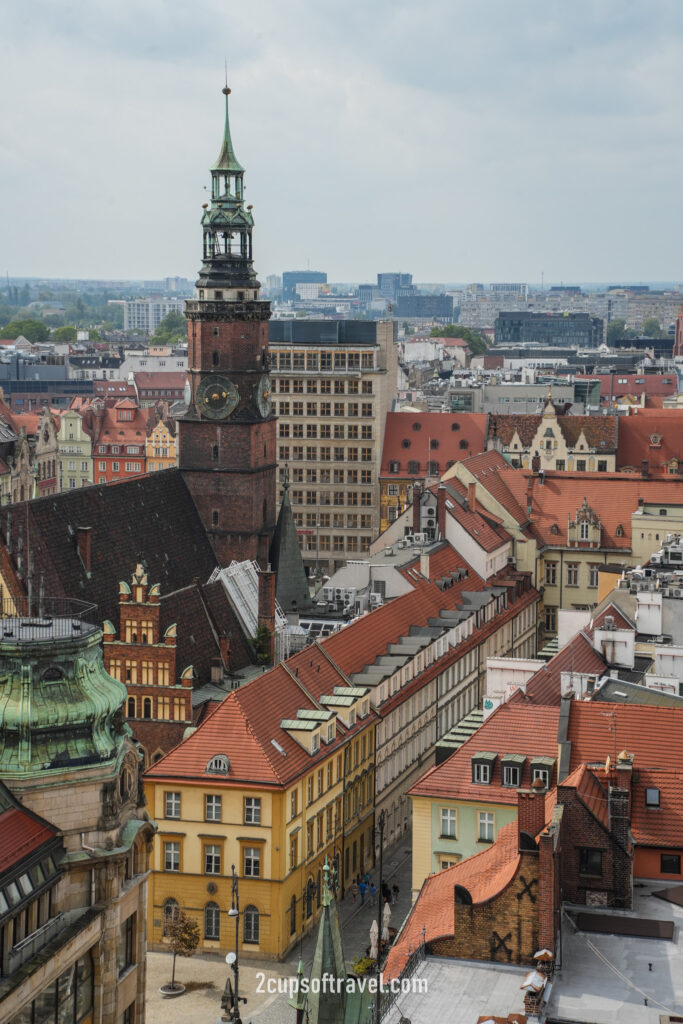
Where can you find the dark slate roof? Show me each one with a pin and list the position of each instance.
(285, 558)
(203, 614)
(150, 518)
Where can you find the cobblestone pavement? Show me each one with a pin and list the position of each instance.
(205, 976)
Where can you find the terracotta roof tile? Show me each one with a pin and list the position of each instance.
(620, 384)
(513, 728)
(655, 440)
(663, 825)
(654, 735)
(432, 917)
(21, 834)
(496, 475)
(504, 426)
(544, 687)
(456, 435)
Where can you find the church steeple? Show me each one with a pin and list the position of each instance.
(227, 228)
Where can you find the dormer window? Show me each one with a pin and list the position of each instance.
(651, 797)
(364, 708)
(583, 530)
(315, 743)
(352, 717)
(482, 767)
(620, 530)
(512, 769)
(331, 732)
(219, 765)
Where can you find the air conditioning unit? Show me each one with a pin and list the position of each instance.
(376, 600)
(403, 544)
(677, 592)
(420, 538)
(666, 591)
(512, 560)
(328, 593)
(431, 523)
(339, 593)
(350, 595)
(656, 559)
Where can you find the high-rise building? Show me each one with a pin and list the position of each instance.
(335, 381)
(291, 278)
(570, 329)
(390, 284)
(227, 436)
(146, 314)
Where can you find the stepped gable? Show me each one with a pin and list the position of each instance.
(150, 519)
(505, 425)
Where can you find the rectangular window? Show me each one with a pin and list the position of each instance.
(126, 950)
(551, 619)
(448, 820)
(212, 807)
(542, 774)
(171, 856)
(572, 574)
(580, 465)
(511, 775)
(593, 572)
(293, 802)
(485, 826)
(651, 797)
(173, 805)
(550, 574)
(559, 465)
(481, 772)
(590, 861)
(115, 467)
(212, 859)
(252, 862)
(670, 863)
(293, 851)
(602, 465)
(252, 810)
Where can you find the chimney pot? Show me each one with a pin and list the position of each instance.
(84, 544)
(472, 495)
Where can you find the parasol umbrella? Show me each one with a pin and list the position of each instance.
(386, 917)
(374, 932)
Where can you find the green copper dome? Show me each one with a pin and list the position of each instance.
(59, 709)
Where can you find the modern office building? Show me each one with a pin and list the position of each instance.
(578, 330)
(146, 314)
(291, 278)
(425, 307)
(334, 382)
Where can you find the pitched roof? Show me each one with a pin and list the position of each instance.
(496, 475)
(600, 432)
(504, 426)
(657, 440)
(663, 825)
(150, 518)
(481, 526)
(620, 384)
(590, 791)
(654, 735)
(285, 557)
(424, 437)
(512, 728)
(203, 613)
(22, 831)
(160, 379)
(612, 496)
(484, 875)
(544, 687)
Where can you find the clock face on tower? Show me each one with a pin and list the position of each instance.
(262, 396)
(216, 397)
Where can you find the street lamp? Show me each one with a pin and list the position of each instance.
(231, 998)
(381, 822)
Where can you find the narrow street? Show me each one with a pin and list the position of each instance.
(205, 976)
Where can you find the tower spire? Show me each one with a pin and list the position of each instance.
(227, 161)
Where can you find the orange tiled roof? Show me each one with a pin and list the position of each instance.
(544, 687)
(484, 875)
(495, 474)
(654, 735)
(439, 437)
(504, 425)
(620, 384)
(661, 826)
(590, 791)
(656, 440)
(613, 496)
(513, 728)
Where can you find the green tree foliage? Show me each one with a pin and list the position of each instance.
(618, 331)
(261, 644)
(183, 933)
(34, 331)
(652, 328)
(64, 335)
(476, 341)
(173, 328)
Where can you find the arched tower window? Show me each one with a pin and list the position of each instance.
(214, 452)
(131, 712)
(147, 708)
(214, 358)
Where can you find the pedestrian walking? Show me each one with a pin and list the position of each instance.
(354, 892)
(362, 887)
(394, 893)
(367, 879)
(386, 893)
(373, 894)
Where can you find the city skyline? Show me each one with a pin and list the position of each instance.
(474, 143)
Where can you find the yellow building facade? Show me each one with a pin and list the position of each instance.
(277, 836)
(160, 447)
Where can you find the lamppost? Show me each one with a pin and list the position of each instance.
(381, 822)
(231, 997)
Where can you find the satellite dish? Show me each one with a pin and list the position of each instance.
(230, 959)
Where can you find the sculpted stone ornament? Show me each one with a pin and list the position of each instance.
(263, 396)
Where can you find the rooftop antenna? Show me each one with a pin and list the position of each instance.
(226, 72)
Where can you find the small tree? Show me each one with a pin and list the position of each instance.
(652, 327)
(261, 642)
(183, 932)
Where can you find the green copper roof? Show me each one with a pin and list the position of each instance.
(59, 709)
(227, 161)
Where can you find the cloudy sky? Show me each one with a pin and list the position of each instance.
(462, 140)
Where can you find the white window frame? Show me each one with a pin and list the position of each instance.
(448, 822)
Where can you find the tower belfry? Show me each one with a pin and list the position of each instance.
(227, 436)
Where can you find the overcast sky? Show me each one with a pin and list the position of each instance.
(461, 140)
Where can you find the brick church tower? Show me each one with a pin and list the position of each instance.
(227, 436)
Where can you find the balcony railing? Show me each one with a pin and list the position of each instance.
(33, 943)
(44, 618)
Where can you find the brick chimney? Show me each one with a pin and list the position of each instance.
(624, 771)
(535, 463)
(645, 468)
(441, 510)
(266, 607)
(472, 495)
(84, 544)
(417, 494)
(224, 647)
(531, 809)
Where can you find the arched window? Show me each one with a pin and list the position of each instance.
(131, 707)
(292, 915)
(220, 764)
(171, 909)
(214, 517)
(214, 358)
(147, 708)
(212, 921)
(52, 674)
(214, 452)
(251, 924)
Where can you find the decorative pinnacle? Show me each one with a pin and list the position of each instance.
(326, 884)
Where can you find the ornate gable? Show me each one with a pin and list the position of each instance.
(585, 529)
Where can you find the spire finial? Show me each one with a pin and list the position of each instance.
(226, 90)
